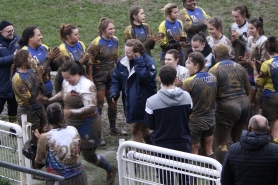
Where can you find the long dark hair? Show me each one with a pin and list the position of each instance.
(201, 37)
(132, 12)
(243, 11)
(198, 58)
(73, 67)
(55, 115)
(258, 23)
(26, 35)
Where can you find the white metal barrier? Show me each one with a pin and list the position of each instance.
(140, 163)
(11, 151)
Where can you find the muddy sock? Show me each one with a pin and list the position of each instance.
(112, 123)
(103, 163)
(220, 153)
(148, 140)
(275, 140)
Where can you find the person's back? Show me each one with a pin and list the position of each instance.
(232, 79)
(171, 109)
(167, 113)
(253, 160)
(59, 149)
(232, 102)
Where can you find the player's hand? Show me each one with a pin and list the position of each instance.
(54, 53)
(234, 35)
(85, 58)
(253, 63)
(37, 133)
(135, 55)
(157, 37)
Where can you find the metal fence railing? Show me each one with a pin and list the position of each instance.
(14, 167)
(32, 171)
(11, 151)
(140, 163)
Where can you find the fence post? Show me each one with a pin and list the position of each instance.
(131, 167)
(26, 135)
(21, 158)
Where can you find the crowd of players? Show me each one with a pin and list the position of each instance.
(229, 79)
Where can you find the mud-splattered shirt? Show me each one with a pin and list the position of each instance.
(202, 88)
(239, 45)
(105, 53)
(232, 79)
(27, 86)
(59, 150)
(39, 55)
(81, 100)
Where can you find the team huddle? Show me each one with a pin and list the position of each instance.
(210, 85)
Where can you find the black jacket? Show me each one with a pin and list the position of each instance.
(7, 49)
(253, 160)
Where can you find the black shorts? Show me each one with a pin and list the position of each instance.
(270, 107)
(102, 78)
(232, 111)
(37, 117)
(201, 127)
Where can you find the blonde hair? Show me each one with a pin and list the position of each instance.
(221, 51)
(167, 9)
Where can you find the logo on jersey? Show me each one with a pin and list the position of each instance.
(36, 59)
(71, 56)
(194, 19)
